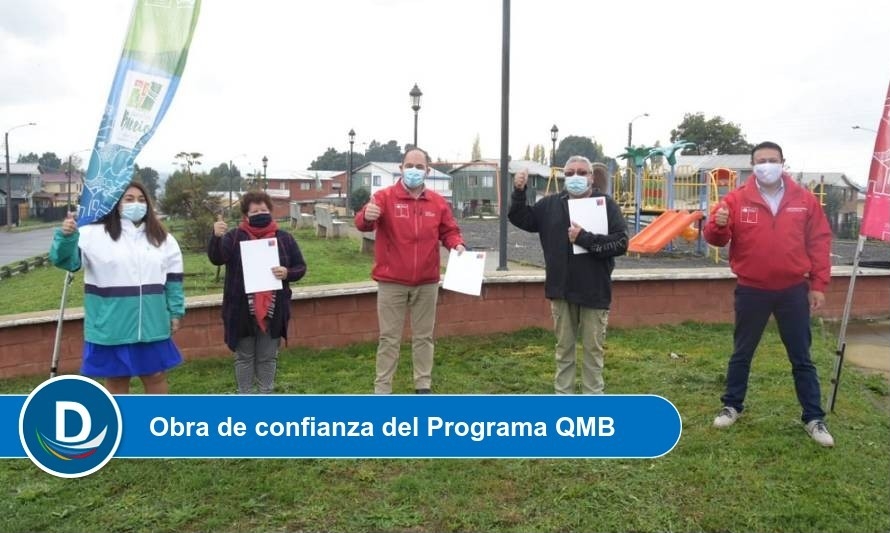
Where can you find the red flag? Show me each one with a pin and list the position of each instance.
(876, 216)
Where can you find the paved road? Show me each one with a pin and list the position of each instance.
(22, 245)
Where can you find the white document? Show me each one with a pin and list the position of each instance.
(258, 256)
(464, 272)
(590, 214)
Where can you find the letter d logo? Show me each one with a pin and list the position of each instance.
(70, 426)
(86, 422)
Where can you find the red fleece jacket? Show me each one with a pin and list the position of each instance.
(778, 251)
(406, 247)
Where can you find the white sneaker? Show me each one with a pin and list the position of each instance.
(819, 433)
(727, 417)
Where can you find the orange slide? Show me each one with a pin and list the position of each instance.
(662, 231)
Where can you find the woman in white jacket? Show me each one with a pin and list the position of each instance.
(133, 298)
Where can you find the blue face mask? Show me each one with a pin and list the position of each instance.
(134, 212)
(413, 177)
(576, 185)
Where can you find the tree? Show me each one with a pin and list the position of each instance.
(148, 177)
(476, 154)
(390, 152)
(186, 195)
(334, 160)
(710, 135)
(222, 177)
(76, 164)
(540, 154)
(359, 198)
(50, 161)
(528, 152)
(330, 160)
(30, 158)
(577, 145)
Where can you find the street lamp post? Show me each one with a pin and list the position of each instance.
(349, 172)
(8, 175)
(554, 134)
(265, 181)
(630, 129)
(415, 95)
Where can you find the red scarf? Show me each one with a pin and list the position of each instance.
(261, 300)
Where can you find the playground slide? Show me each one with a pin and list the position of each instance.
(662, 231)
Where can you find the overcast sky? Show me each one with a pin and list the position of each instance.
(289, 79)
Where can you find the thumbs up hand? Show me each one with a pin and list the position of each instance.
(69, 226)
(220, 227)
(721, 216)
(372, 211)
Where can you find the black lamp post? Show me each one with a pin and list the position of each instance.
(9, 176)
(349, 172)
(265, 181)
(415, 105)
(554, 134)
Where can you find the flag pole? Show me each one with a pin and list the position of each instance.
(54, 366)
(842, 335)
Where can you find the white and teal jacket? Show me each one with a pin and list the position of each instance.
(132, 288)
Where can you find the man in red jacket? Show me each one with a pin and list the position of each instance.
(410, 222)
(780, 251)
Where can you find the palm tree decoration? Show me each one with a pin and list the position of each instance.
(670, 153)
(638, 155)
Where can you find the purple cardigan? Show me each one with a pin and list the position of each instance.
(237, 321)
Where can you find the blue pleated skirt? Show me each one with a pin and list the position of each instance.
(137, 359)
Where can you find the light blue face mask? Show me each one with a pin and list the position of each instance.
(576, 185)
(413, 177)
(134, 212)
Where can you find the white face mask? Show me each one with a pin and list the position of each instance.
(768, 173)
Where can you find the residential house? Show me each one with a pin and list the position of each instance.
(688, 165)
(58, 185)
(475, 184)
(25, 181)
(842, 198)
(307, 187)
(375, 176)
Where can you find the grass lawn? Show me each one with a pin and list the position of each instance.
(328, 261)
(763, 474)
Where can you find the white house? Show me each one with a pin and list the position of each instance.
(375, 176)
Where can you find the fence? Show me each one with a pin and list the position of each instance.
(21, 267)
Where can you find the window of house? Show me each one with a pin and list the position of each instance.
(376, 180)
(366, 181)
(305, 185)
(283, 186)
(488, 181)
(473, 181)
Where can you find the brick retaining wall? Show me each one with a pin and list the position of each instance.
(339, 315)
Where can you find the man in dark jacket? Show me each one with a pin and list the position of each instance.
(578, 285)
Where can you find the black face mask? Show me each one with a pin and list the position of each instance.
(260, 220)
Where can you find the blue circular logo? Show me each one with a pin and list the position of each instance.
(70, 426)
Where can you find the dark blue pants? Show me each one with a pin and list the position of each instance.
(791, 307)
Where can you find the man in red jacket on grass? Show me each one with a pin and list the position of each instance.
(410, 221)
(780, 252)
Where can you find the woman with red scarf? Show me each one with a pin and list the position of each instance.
(255, 323)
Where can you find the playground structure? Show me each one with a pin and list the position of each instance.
(670, 202)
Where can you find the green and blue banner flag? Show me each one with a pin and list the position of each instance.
(150, 68)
